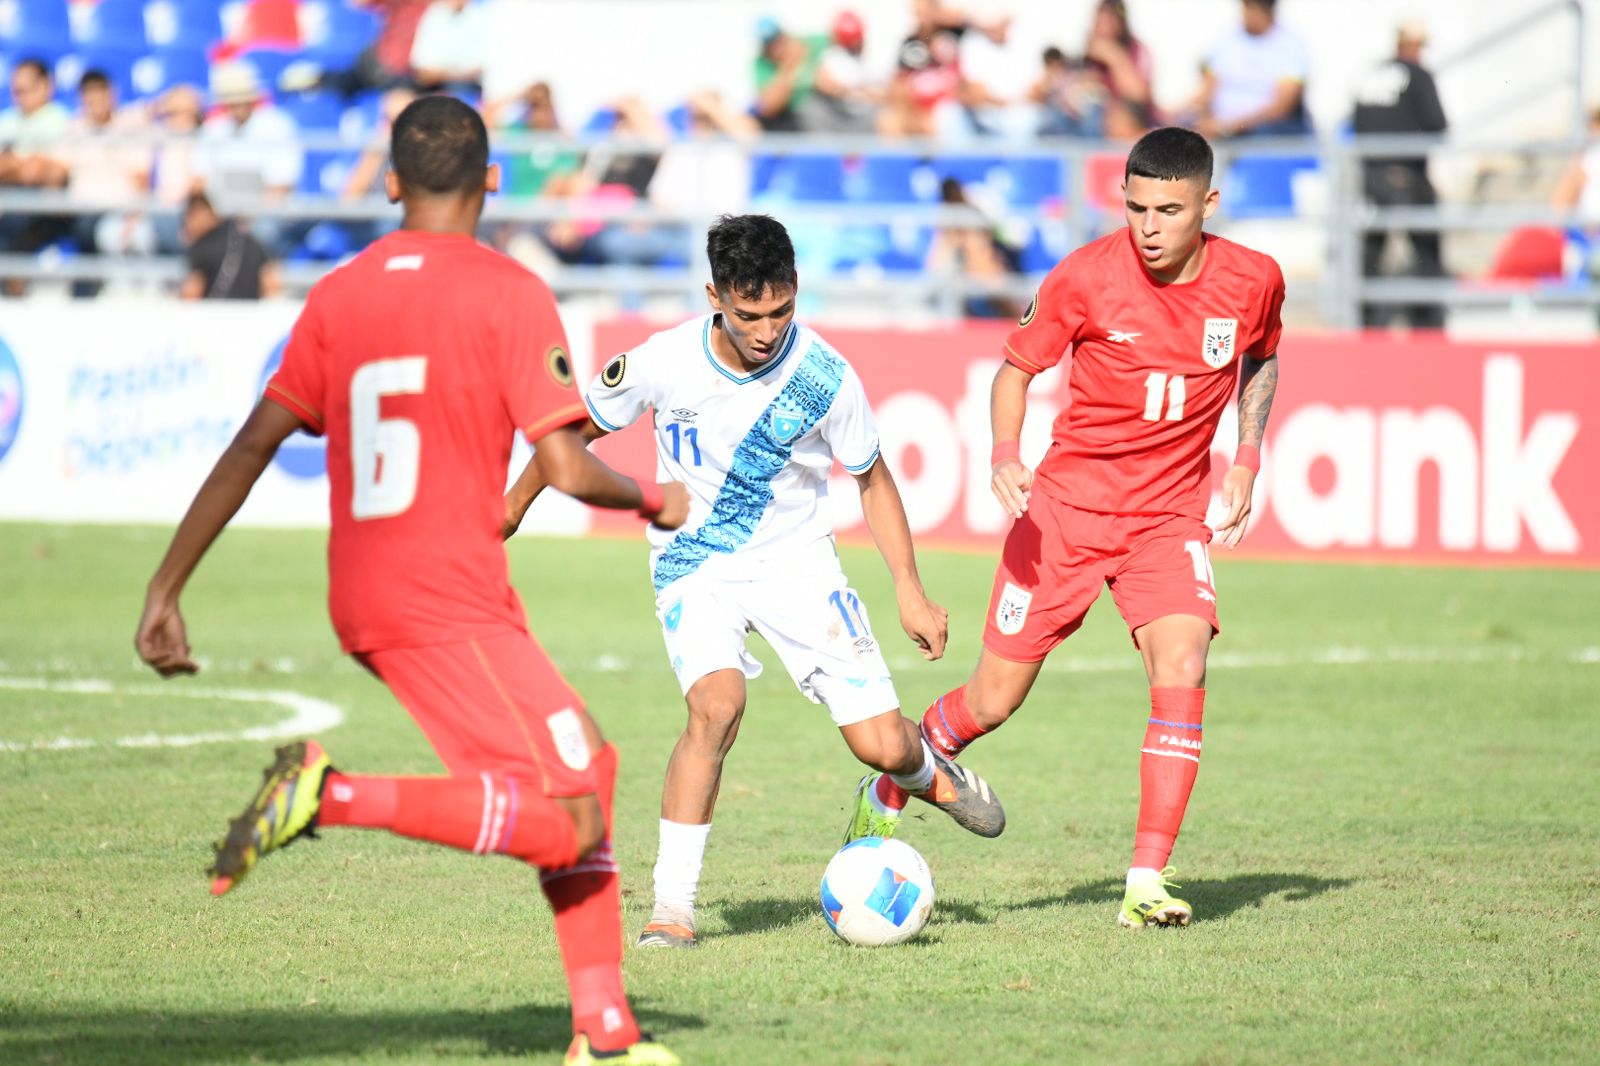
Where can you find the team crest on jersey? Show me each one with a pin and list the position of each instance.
(611, 376)
(566, 729)
(787, 424)
(1013, 609)
(1221, 333)
(1033, 309)
(673, 616)
(559, 365)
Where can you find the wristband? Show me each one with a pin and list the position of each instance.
(1006, 449)
(651, 499)
(1249, 457)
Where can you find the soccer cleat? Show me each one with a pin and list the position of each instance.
(1147, 903)
(966, 797)
(866, 820)
(669, 930)
(646, 1052)
(284, 809)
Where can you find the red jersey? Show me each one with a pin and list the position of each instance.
(419, 360)
(1153, 368)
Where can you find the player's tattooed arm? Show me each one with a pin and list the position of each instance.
(1258, 383)
(529, 483)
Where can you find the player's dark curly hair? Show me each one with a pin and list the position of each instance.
(1171, 154)
(749, 254)
(439, 145)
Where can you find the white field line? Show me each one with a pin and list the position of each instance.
(307, 714)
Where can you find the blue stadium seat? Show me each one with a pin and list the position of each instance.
(907, 249)
(325, 172)
(1045, 248)
(315, 110)
(968, 170)
(810, 178)
(325, 242)
(888, 179)
(183, 23)
(39, 29)
(1263, 186)
(334, 33)
(270, 63)
(159, 71)
(604, 120)
(110, 24)
(677, 120)
(1034, 180)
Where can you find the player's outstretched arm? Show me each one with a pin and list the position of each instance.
(1010, 481)
(529, 483)
(565, 465)
(161, 639)
(1258, 383)
(924, 621)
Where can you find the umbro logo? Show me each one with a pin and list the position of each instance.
(683, 414)
(1117, 336)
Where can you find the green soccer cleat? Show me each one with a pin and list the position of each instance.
(865, 819)
(283, 810)
(1147, 903)
(644, 1053)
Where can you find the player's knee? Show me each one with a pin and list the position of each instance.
(714, 721)
(588, 823)
(1183, 667)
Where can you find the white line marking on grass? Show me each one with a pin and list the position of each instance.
(308, 715)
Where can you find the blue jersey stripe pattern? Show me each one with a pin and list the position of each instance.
(747, 489)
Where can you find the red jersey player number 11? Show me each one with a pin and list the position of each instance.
(1162, 320)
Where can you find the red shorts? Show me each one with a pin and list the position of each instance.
(496, 704)
(1056, 557)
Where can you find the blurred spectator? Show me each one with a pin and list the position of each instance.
(785, 74)
(970, 250)
(1578, 190)
(225, 262)
(31, 157)
(707, 173)
(846, 94)
(106, 165)
(366, 177)
(178, 112)
(270, 24)
(1070, 98)
(386, 62)
(451, 47)
(1399, 97)
(614, 177)
(1254, 79)
(995, 97)
(929, 70)
(249, 149)
(32, 129)
(1119, 60)
(544, 170)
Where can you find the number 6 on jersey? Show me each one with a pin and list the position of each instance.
(385, 453)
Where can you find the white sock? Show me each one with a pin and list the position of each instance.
(921, 780)
(683, 848)
(1142, 875)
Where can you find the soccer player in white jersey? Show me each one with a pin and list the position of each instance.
(750, 411)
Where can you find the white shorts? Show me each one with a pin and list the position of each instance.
(816, 623)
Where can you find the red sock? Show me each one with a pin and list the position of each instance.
(587, 899)
(1167, 768)
(948, 727)
(486, 815)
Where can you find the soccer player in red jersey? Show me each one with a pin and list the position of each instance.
(419, 360)
(1161, 319)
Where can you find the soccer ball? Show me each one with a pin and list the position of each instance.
(877, 892)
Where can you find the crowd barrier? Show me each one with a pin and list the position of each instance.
(1413, 448)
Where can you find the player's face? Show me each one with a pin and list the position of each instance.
(1165, 219)
(753, 326)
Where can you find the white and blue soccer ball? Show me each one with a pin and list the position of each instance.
(877, 892)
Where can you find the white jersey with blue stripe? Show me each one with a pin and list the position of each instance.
(755, 450)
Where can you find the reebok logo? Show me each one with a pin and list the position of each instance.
(1117, 336)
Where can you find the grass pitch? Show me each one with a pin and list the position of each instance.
(1391, 850)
